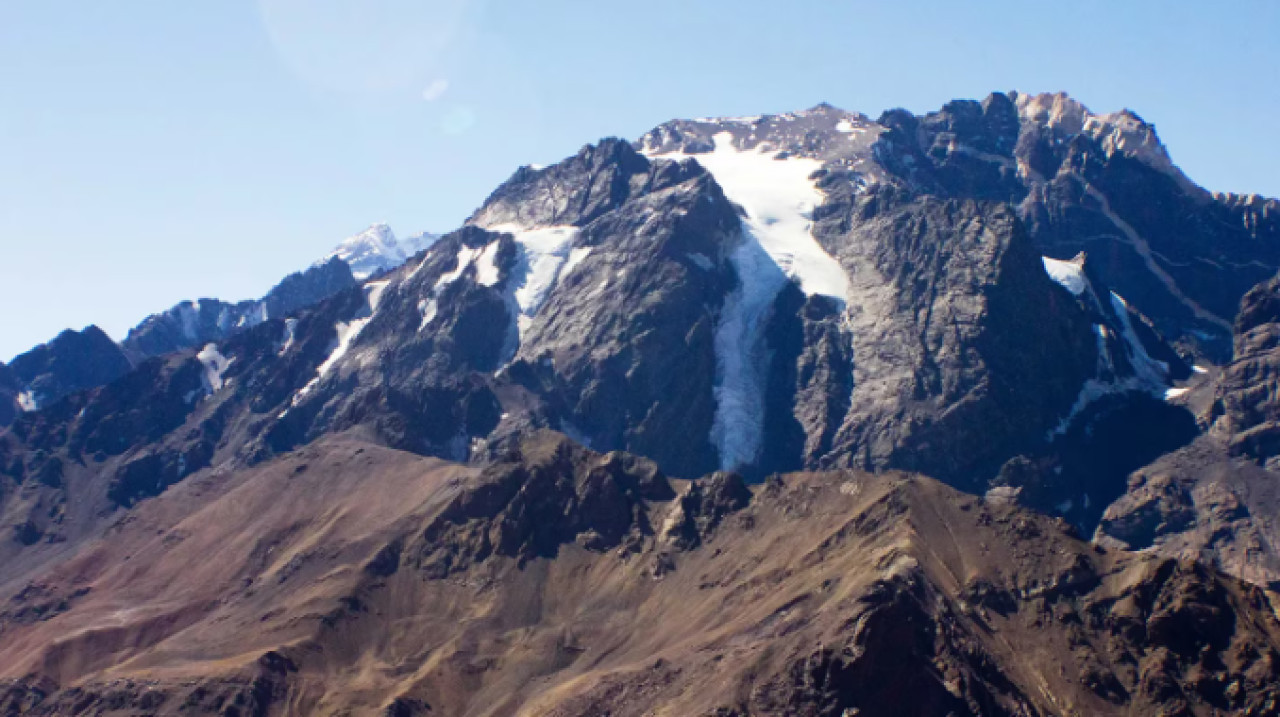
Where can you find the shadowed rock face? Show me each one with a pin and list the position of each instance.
(624, 348)
(73, 361)
(79, 361)
(9, 390)
(1217, 499)
(1101, 184)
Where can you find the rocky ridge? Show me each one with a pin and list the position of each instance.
(566, 582)
(72, 361)
(193, 324)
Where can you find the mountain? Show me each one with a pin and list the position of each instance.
(376, 250)
(796, 317)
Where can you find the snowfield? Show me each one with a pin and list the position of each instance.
(779, 198)
(215, 365)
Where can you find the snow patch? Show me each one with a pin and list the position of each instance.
(215, 366)
(290, 336)
(1068, 274)
(466, 255)
(779, 197)
(1151, 371)
(428, 308)
(1175, 393)
(543, 256)
(376, 249)
(27, 401)
(1150, 375)
(778, 194)
(576, 257)
(486, 265)
(1092, 390)
(700, 260)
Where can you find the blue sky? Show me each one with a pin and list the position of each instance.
(153, 150)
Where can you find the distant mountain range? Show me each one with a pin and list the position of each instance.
(75, 361)
(971, 412)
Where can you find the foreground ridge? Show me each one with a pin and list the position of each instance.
(623, 591)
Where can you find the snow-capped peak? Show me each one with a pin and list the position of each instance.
(376, 249)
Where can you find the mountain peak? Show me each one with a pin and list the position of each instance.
(376, 249)
(1122, 132)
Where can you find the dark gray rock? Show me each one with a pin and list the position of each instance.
(194, 324)
(1218, 499)
(74, 361)
(963, 351)
(10, 387)
(1101, 184)
(624, 345)
(1247, 408)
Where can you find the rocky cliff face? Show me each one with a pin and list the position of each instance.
(1100, 184)
(1217, 499)
(1247, 409)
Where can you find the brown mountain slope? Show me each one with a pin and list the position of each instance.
(351, 579)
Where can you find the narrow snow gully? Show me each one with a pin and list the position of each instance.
(347, 333)
(778, 197)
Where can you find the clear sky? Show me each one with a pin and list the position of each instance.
(154, 150)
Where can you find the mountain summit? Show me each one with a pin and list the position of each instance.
(376, 250)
